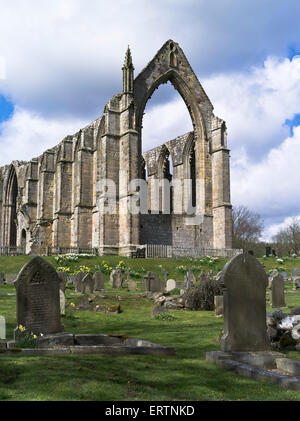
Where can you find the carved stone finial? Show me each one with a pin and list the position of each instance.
(128, 73)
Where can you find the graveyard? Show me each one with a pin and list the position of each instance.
(119, 312)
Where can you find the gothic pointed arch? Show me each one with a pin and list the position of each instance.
(10, 208)
(162, 69)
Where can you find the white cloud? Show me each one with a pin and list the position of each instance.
(66, 55)
(271, 186)
(27, 135)
(256, 104)
(273, 229)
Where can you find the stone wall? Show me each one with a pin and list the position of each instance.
(57, 199)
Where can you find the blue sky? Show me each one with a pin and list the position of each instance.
(60, 62)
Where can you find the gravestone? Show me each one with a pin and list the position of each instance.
(131, 285)
(38, 306)
(277, 291)
(10, 277)
(190, 279)
(244, 281)
(166, 273)
(116, 278)
(1, 278)
(190, 276)
(99, 281)
(171, 284)
(2, 328)
(63, 279)
(284, 275)
(219, 305)
(211, 275)
(88, 284)
(152, 282)
(295, 276)
(273, 274)
(77, 281)
(62, 302)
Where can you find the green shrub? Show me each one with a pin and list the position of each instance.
(202, 296)
(167, 317)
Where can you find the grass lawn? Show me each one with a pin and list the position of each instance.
(184, 376)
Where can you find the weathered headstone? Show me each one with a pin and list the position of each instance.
(171, 284)
(2, 328)
(99, 281)
(152, 282)
(1, 278)
(77, 281)
(38, 306)
(116, 278)
(284, 275)
(10, 277)
(63, 279)
(131, 285)
(166, 273)
(219, 305)
(245, 283)
(88, 283)
(271, 276)
(277, 291)
(295, 277)
(190, 279)
(62, 302)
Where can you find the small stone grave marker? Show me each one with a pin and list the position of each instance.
(277, 291)
(88, 283)
(99, 281)
(171, 284)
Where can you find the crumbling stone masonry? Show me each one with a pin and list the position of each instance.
(56, 199)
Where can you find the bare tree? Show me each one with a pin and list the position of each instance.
(289, 238)
(247, 227)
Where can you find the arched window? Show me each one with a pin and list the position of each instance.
(11, 208)
(23, 239)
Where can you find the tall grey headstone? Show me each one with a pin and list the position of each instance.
(273, 274)
(116, 278)
(277, 291)
(219, 305)
(77, 281)
(152, 282)
(1, 278)
(63, 279)
(62, 302)
(88, 283)
(99, 281)
(38, 304)
(244, 281)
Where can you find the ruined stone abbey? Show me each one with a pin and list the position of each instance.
(57, 199)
